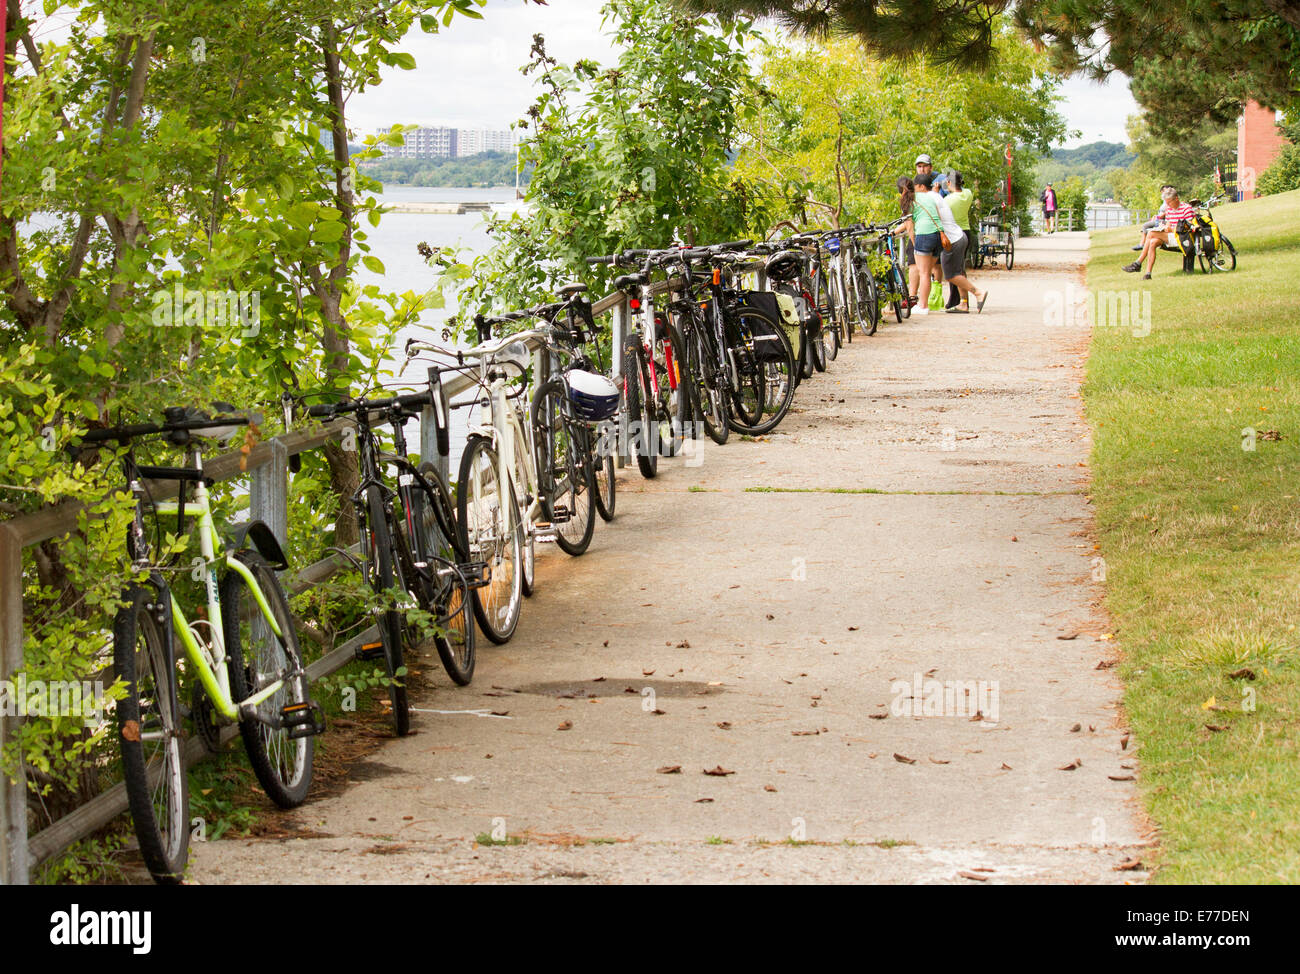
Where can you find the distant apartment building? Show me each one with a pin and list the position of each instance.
(439, 142)
(474, 141)
(424, 143)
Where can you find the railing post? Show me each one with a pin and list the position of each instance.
(618, 335)
(429, 444)
(268, 498)
(13, 792)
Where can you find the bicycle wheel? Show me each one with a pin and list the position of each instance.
(1011, 251)
(381, 571)
(832, 343)
(777, 374)
(441, 592)
(487, 518)
(1225, 258)
(711, 403)
(521, 479)
(606, 486)
(564, 474)
(674, 407)
(641, 408)
(256, 658)
(901, 305)
(150, 737)
(870, 300)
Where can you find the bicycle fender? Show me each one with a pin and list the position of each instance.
(263, 541)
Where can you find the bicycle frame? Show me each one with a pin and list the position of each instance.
(210, 662)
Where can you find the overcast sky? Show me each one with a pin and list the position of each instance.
(469, 76)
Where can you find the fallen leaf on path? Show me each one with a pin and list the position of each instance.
(567, 725)
(805, 733)
(1123, 743)
(1076, 763)
(1105, 664)
(976, 876)
(1076, 728)
(500, 713)
(769, 788)
(934, 760)
(878, 716)
(724, 724)
(718, 771)
(1245, 673)
(684, 644)
(1070, 635)
(658, 713)
(669, 769)
(979, 715)
(606, 643)
(647, 672)
(1006, 767)
(903, 758)
(770, 616)
(701, 801)
(1131, 863)
(1121, 777)
(853, 628)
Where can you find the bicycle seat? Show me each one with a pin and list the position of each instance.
(569, 289)
(631, 280)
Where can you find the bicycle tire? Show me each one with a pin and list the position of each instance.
(150, 707)
(606, 484)
(490, 531)
(524, 502)
(1230, 260)
(433, 517)
(381, 568)
(1011, 252)
(779, 377)
(674, 404)
(283, 765)
(711, 405)
(871, 302)
(640, 409)
(564, 457)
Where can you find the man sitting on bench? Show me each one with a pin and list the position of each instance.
(1175, 212)
(1155, 222)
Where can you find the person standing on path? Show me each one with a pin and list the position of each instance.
(1049, 208)
(958, 203)
(925, 167)
(906, 198)
(932, 220)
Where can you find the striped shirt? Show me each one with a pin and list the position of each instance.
(1183, 211)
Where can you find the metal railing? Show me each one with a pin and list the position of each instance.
(267, 466)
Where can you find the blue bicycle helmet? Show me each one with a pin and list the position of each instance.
(594, 397)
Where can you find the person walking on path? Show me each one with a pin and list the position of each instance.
(953, 262)
(1049, 208)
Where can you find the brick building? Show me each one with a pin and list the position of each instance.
(1258, 143)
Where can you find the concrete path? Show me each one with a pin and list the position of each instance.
(792, 611)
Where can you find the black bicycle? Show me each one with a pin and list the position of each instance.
(410, 547)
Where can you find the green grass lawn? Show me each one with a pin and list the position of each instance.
(1201, 539)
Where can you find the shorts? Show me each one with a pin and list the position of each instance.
(954, 261)
(927, 244)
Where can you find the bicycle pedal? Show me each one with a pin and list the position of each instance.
(303, 719)
(370, 651)
(477, 573)
(562, 515)
(544, 532)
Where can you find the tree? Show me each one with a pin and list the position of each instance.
(1187, 61)
(628, 156)
(839, 126)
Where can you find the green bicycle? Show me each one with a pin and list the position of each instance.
(244, 653)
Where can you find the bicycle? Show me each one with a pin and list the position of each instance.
(654, 350)
(410, 546)
(244, 652)
(895, 284)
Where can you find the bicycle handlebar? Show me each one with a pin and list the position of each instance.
(129, 432)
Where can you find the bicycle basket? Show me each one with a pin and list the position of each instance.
(594, 397)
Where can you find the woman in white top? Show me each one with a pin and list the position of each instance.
(954, 260)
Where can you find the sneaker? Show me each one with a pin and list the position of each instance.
(1134, 267)
(1138, 248)
(921, 309)
(1146, 276)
